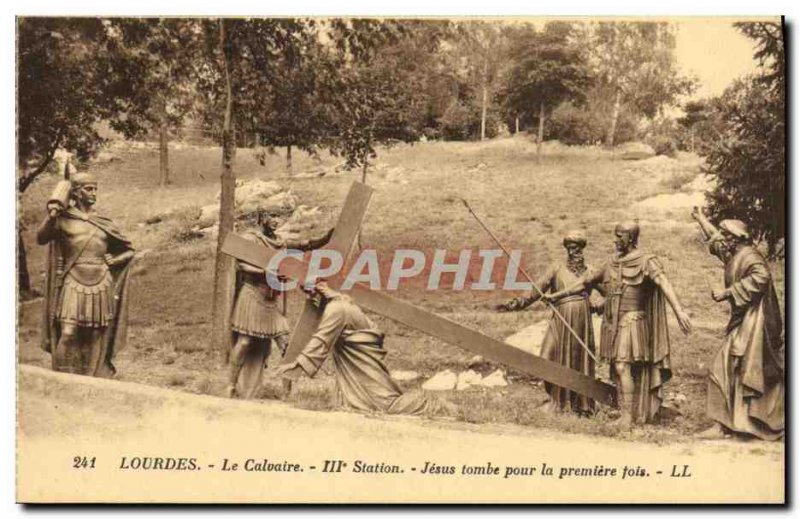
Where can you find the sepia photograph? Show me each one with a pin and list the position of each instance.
(401, 260)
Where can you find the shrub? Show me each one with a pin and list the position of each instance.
(663, 135)
(572, 125)
(627, 128)
(664, 145)
(455, 122)
(462, 121)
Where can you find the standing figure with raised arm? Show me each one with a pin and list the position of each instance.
(559, 344)
(634, 337)
(256, 320)
(85, 308)
(746, 376)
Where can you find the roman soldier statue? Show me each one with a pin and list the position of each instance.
(634, 337)
(256, 320)
(86, 282)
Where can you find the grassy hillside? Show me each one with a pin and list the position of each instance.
(529, 203)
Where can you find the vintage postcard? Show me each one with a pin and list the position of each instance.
(401, 260)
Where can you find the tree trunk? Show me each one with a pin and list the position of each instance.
(541, 131)
(289, 159)
(224, 264)
(483, 103)
(363, 181)
(163, 153)
(614, 116)
(516, 125)
(23, 278)
(483, 114)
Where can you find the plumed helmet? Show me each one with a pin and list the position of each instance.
(575, 236)
(631, 227)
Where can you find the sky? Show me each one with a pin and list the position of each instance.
(709, 48)
(714, 51)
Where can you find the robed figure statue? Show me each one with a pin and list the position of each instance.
(746, 375)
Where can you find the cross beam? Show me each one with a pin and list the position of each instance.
(342, 240)
(413, 316)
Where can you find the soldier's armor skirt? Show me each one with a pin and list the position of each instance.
(631, 343)
(257, 316)
(87, 305)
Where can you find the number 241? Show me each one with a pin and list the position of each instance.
(82, 462)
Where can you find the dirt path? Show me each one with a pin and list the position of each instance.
(124, 421)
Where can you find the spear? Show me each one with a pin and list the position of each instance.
(528, 277)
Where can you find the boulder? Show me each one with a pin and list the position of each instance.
(467, 379)
(496, 379)
(209, 214)
(636, 147)
(476, 360)
(255, 188)
(303, 218)
(104, 157)
(403, 376)
(442, 381)
(530, 338)
(281, 203)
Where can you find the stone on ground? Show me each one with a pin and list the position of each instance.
(477, 360)
(442, 381)
(496, 379)
(530, 338)
(402, 376)
(467, 379)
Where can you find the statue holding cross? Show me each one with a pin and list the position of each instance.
(255, 320)
(356, 345)
(342, 240)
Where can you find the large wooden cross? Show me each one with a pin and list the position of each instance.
(344, 236)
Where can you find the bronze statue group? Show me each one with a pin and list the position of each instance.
(86, 305)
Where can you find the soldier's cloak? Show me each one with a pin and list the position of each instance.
(649, 394)
(115, 337)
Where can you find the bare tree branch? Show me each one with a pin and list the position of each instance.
(27, 178)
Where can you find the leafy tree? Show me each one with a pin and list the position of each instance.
(375, 95)
(66, 84)
(695, 114)
(478, 55)
(287, 110)
(702, 124)
(636, 60)
(234, 80)
(160, 56)
(748, 159)
(548, 68)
